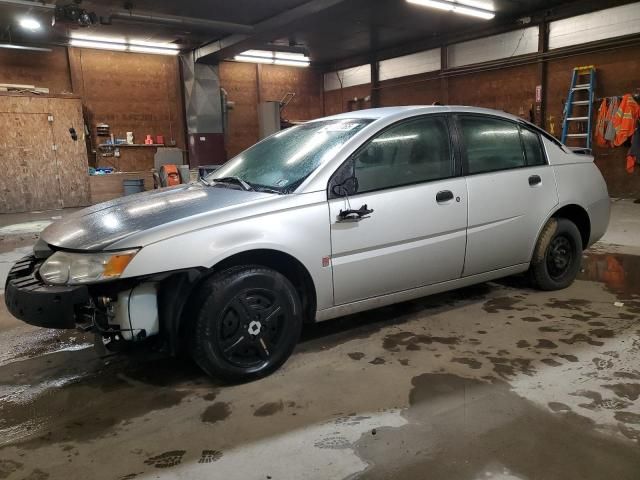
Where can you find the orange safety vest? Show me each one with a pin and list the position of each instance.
(625, 119)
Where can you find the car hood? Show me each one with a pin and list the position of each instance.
(102, 225)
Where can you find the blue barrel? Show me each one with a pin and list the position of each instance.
(134, 185)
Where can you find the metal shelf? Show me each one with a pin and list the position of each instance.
(129, 145)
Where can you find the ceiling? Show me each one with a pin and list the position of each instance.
(329, 30)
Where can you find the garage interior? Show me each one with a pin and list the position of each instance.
(103, 99)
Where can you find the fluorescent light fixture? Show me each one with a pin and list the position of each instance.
(291, 63)
(244, 58)
(258, 53)
(274, 58)
(13, 46)
(157, 51)
(96, 38)
(29, 24)
(121, 45)
(145, 43)
(101, 45)
(457, 7)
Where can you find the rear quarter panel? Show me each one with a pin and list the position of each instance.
(580, 182)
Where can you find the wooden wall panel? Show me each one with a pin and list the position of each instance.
(42, 69)
(29, 180)
(43, 168)
(70, 155)
(140, 93)
(306, 83)
(240, 80)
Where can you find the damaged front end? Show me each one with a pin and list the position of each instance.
(120, 312)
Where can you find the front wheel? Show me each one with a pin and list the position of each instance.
(558, 255)
(248, 321)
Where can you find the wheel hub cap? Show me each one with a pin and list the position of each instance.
(254, 328)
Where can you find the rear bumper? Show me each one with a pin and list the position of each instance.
(30, 300)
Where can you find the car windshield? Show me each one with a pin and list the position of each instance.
(281, 162)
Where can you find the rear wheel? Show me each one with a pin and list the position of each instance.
(248, 322)
(558, 255)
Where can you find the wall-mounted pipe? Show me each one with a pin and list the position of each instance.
(178, 21)
(28, 3)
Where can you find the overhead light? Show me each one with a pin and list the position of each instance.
(145, 43)
(29, 24)
(119, 44)
(456, 6)
(258, 53)
(13, 46)
(101, 45)
(291, 63)
(274, 58)
(246, 58)
(97, 38)
(158, 51)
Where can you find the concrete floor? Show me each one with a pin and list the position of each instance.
(494, 381)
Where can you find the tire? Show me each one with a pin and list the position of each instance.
(558, 255)
(247, 322)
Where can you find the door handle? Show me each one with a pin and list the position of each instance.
(534, 180)
(444, 196)
(354, 215)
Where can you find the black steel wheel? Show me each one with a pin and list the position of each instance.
(251, 327)
(560, 256)
(557, 256)
(248, 321)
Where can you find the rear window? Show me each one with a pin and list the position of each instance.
(532, 147)
(490, 144)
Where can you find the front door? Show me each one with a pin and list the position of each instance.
(415, 234)
(511, 188)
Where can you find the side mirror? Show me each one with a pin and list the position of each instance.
(349, 186)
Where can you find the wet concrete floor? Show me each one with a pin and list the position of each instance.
(493, 381)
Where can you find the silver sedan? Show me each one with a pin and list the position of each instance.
(335, 216)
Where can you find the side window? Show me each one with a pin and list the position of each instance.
(412, 152)
(491, 144)
(532, 147)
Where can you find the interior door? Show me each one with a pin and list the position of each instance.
(511, 189)
(30, 180)
(402, 223)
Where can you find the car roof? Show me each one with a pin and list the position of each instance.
(378, 113)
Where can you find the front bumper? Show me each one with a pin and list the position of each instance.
(33, 302)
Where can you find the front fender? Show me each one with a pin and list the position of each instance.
(302, 233)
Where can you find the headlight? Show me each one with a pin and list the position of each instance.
(73, 268)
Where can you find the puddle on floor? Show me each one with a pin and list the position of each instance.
(461, 429)
(620, 273)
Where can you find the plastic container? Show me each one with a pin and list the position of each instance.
(134, 185)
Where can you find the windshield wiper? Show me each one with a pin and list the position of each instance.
(269, 190)
(237, 181)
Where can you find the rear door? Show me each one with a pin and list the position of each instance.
(415, 233)
(511, 191)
